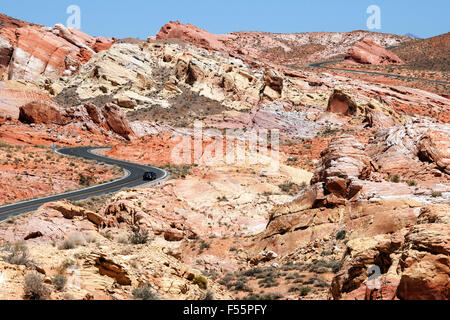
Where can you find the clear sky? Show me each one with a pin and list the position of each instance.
(141, 18)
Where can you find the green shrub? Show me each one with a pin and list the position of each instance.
(201, 282)
(304, 291)
(436, 194)
(412, 183)
(341, 235)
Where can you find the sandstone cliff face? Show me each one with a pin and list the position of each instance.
(413, 262)
(28, 51)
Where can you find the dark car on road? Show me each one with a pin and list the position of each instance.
(150, 176)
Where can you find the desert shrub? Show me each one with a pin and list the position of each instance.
(17, 253)
(201, 282)
(59, 281)
(86, 181)
(177, 172)
(436, 194)
(289, 187)
(204, 246)
(90, 238)
(395, 179)
(336, 266)
(318, 266)
(304, 291)
(412, 183)
(144, 293)
(341, 235)
(138, 236)
(73, 241)
(326, 253)
(265, 296)
(208, 296)
(34, 287)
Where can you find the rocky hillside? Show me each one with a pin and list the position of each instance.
(427, 54)
(29, 51)
(362, 182)
(285, 49)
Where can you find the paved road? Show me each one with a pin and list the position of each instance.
(324, 65)
(133, 178)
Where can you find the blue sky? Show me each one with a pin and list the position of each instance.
(141, 18)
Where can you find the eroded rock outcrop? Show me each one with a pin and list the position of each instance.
(410, 264)
(367, 51)
(376, 113)
(110, 117)
(124, 214)
(190, 33)
(29, 51)
(412, 148)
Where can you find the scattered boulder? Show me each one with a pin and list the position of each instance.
(33, 235)
(70, 211)
(107, 267)
(173, 235)
(367, 51)
(264, 256)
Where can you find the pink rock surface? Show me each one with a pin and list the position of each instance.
(368, 51)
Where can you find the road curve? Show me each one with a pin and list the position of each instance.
(133, 178)
(324, 65)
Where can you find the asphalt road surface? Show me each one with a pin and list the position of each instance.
(133, 178)
(324, 65)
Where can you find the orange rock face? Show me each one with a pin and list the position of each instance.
(368, 51)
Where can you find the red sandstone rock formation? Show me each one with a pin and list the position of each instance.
(368, 51)
(109, 117)
(28, 51)
(192, 34)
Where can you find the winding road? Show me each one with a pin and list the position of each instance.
(324, 65)
(133, 178)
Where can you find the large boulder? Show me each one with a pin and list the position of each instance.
(117, 120)
(367, 51)
(41, 112)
